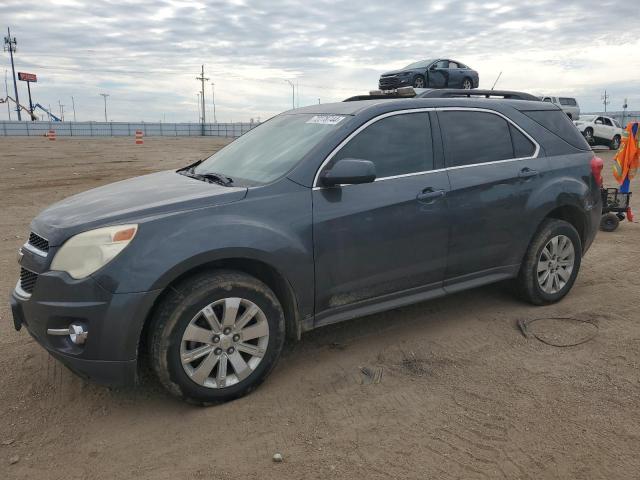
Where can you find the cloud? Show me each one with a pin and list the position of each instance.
(146, 54)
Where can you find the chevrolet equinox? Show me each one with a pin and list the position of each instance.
(319, 215)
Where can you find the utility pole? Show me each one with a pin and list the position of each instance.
(105, 95)
(202, 78)
(198, 104)
(293, 93)
(73, 105)
(61, 111)
(10, 45)
(605, 100)
(624, 112)
(213, 100)
(6, 93)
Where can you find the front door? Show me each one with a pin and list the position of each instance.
(438, 74)
(387, 236)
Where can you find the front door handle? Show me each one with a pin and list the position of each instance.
(429, 195)
(527, 172)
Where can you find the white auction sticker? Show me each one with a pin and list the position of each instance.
(326, 119)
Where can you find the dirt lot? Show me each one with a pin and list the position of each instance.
(463, 394)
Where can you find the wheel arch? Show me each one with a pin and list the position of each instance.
(259, 269)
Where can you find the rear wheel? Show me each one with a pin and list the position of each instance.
(615, 143)
(216, 336)
(609, 222)
(551, 264)
(467, 84)
(418, 82)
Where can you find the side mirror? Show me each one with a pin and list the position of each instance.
(349, 171)
(433, 67)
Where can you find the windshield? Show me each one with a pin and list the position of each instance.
(270, 150)
(421, 64)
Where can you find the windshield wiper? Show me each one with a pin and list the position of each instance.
(210, 177)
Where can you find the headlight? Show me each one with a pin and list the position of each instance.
(86, 252)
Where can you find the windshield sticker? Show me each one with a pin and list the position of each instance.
(326, 119)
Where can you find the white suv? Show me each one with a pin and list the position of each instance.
(600, 130)
(567, 104)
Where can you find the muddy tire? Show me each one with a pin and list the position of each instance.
(216, 336)
(551, 264)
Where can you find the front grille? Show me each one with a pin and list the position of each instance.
(38, 242)
(27, 280)
(388, 83)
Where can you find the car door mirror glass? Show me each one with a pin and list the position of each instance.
(349, 171)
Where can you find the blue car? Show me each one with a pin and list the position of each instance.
(433, 73)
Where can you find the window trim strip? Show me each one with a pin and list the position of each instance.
(335, 151)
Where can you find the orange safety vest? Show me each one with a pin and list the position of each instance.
(628, 157)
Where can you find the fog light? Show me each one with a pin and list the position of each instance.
(77, 333)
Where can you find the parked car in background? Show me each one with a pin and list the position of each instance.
(319, 215)
(568, 105)
(600, 130)
(433, 73)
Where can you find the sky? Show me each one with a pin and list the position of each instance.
(146, 54)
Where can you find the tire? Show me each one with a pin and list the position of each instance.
(532, 284)
(418, 82)
(609, 222)
(588, 135)
(467, 84)
(196, 308)
(615, 143)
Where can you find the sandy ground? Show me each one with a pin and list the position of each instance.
(462, 393)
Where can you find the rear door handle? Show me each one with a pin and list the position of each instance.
(527, 172)
(429, 195)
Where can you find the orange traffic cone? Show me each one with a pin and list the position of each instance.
(139, 140)
(52, 135)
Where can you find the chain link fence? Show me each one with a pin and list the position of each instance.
(123, 129)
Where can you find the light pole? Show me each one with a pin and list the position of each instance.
(213, 100)
(105, 95)
(293, 93)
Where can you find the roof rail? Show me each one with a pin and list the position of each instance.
(474, 93)
(410, 92)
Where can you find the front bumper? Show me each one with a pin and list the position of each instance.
(114, 322)
(390, 83)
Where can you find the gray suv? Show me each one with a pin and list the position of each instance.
(319, 215)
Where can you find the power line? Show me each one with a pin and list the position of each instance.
(605, 100)
(10, 45)
(202, 78)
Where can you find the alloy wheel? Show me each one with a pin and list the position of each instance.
(224, 342)
(466, 84)
(418, 82)
(555, 264)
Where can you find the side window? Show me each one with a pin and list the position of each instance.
(522, 146)
(599, 121)
(442, 64)
(453, 65)
(546, 99)
(397, 145)
(568, 101)
(474, 137)
(607, 122)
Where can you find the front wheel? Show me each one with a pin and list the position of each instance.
(609, 222)
(551, 264)
(588, 134)
(216, 336)
(418, 82)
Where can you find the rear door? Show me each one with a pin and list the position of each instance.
(455, 75)
(493, 168)
(390, 235)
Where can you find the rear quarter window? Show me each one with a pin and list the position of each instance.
(557, 122)
(571, 102)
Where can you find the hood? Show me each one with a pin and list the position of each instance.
(395, 72)
(155, 194)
